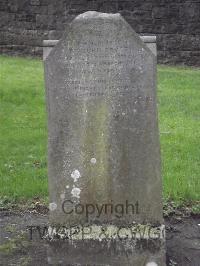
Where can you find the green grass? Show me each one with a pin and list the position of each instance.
(23, 133)
(22, 128)
(179, 117)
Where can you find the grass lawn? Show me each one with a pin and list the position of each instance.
(23, 133)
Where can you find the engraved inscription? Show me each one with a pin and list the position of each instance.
(96, 67)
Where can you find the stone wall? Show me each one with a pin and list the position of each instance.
(24, 24)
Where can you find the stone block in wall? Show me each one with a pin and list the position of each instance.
(192, 28)
(25, 17)
(193, 42)
(4, 5)
(147, 27)
(147, 5)
(79, 6)
(125, 6)
(13, 6)
(35, 2)
(108, 6)
(22, 50)
(132, 5)
(23, 5)
(159, 12)
(21, 16)
(91, 5)
(44, 2)
(170, 42)
(163, 26)
(29, 7)
(190, 11)
(43, 21)
(190, 58)
(27, 25)
(37, 9)
(142, 14)
(28, 38)
(56, 8)
(6, 19)
(173, 11)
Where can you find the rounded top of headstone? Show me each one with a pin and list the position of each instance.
(94, 14)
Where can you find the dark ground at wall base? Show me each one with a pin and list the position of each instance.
(16, 248)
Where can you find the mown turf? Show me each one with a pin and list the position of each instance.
(179, 116)
(22, 128)
(23, 134)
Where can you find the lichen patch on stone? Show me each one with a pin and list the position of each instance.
(75, 175)
(93, 160)
(52, 206)
(76, 192)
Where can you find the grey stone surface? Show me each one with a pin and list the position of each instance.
(149, 40)
(103, 141)
(104, 253)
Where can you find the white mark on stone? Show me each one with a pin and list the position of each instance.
(152, 263)
(75, 175)
(62, 196)
(52, 206)
(67, 186)
(76, 192)
(93, 160)
(86, 111)
(123, 113)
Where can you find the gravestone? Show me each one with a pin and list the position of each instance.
(103, 146)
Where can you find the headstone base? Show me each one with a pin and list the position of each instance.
(101, 245)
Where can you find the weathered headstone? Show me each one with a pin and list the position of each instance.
(103, 144)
